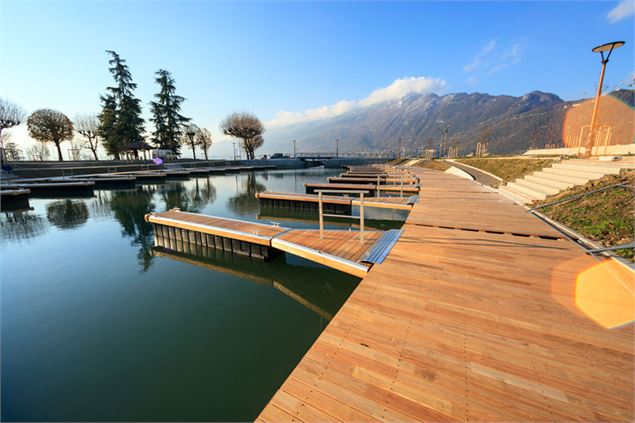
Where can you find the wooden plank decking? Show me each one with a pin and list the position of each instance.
(342, 250)
(256, 233)
(459, 325)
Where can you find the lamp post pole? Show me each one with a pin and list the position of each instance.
(337, 147)
(588, 148)
(294, 149)
(444, 143)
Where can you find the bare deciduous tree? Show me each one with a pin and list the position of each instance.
(10, 115)
(88, 127)
(38, 152)
(246, 127)
(48, 125)
(12, 151)
(204, 140)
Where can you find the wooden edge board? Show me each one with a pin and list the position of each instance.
(379, 205)
(22, 191)
(347, 266)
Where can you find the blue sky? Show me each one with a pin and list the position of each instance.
(284, 56)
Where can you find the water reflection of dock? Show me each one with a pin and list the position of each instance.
(312, 290)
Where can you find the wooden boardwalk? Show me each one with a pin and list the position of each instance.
(470, 319)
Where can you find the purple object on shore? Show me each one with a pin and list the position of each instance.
(157, 160)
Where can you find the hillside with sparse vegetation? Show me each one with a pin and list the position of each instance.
(605, 217)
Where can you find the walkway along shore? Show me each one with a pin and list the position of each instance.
(479, 312)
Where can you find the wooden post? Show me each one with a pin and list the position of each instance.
(378, 185)
(401, 184)
(321, 217)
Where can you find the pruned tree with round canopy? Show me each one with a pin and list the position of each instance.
(204, 140)
(246, 127)
(189, 137)
(88, 127)
(47, 125)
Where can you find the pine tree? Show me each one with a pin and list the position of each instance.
(107, 123)
(121, 124)
(168, 122)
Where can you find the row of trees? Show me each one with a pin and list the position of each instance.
(119, 127)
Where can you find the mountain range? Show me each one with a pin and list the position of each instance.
(508, 124)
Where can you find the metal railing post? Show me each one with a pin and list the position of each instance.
(321, 217)
(401, 185)
(361, 213)
(377, 185)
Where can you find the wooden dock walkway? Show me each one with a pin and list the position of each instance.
(353, 252)
(371, 180)
(311, 188)
(485, 314)
(310, 201)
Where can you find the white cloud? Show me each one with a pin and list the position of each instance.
(398, 89)
(623, 10)
(480, 57)
(491, 59)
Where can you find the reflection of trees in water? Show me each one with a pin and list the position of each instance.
(67, 214)
(246, 202)
(202, 193)
(175, 194)
(130, 208)
(21, 225)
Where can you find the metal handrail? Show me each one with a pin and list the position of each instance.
(614, 248)
(361, 208)
(575, 197)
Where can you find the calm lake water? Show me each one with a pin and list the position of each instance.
(98, 326)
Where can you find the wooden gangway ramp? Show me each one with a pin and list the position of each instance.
(353, 252)
(488, 315)
(310, 201)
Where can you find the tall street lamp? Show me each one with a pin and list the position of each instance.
(444, 128)
(599, 49)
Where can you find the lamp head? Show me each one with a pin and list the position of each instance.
(607, 47)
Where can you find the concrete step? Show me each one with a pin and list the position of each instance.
(537, 186)
(575, 180)
(540, 179)
(515, 196)
(599, 169)
(531, 193)
(575, 173)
